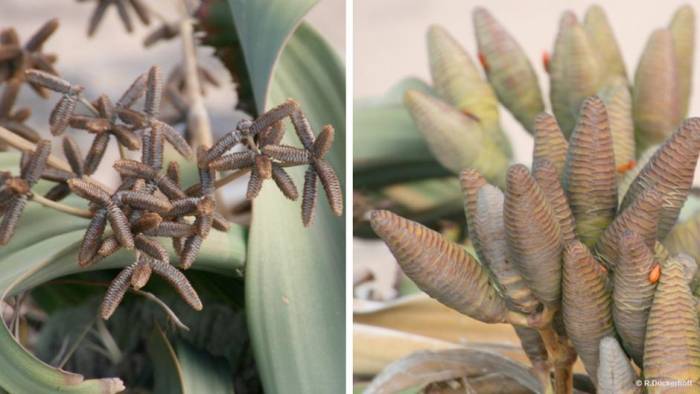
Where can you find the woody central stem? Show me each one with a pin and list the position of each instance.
(563, 357)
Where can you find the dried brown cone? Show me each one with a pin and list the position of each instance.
(533, 234)
(15, 191)
(550, 143)
(615, 374)
(633, 292)
(589, 175)
(331, 185)
(116, 291)
(488, 227)
(92, 238)
(141, 274)
(642, 217)
(178, 280)
(122, 7)
(442, 269)
(115, 215)
(585, 304)
(672, 342)
(30, 56)
(166, 31)
(310, 199)
(670, 172)
(547, 177)
(120, 285)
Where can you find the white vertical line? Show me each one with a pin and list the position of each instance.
(349, 87)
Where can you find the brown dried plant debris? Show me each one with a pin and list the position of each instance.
(175, 105)
(16, 58)
(123, 10)
(176, 79)
(203, 210)
(101, 198)
(146, 123)
(164, 32)
(16, 190)
(133, 129)
(265, 156)
(137, 274)
(260, 163)
(73, 155)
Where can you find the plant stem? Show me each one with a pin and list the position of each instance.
(155, 13)
(21, 144)
(163, 305)
(83, 213)
(230, 177)
(198, 124)
(122, 151)
(89, 106)
(194, 189)
(563, 357)
(75, 345)
(143, 293)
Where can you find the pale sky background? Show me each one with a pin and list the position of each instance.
(389, 39)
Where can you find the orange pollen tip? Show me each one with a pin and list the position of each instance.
(545, 61)
(470, 115)
(484, 63)
(655, 274)
(624, 167)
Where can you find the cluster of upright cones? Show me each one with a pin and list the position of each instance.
(574, 252)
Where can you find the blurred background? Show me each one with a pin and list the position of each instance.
(389, 39)
(392, 318)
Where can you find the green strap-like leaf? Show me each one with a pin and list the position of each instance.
(295, 276)
(20, 371)
(389, 147)
(184, 369)
(262, 28)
